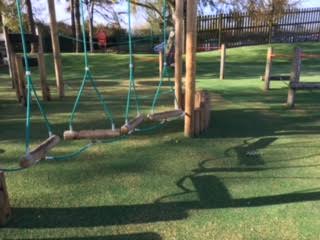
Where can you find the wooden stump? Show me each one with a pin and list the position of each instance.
(268, 70)
(295, 77)
(5, 210)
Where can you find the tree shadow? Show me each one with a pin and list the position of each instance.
(210, 190)
(137, 236)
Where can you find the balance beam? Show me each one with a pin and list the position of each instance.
(39, 152)
(305, 85)
(91, 134)
(166, 116)
(132, 125)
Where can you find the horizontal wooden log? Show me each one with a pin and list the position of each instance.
(132, 125)
(166, 116)
(278, 78)
(305, 85)
(15, 38)
(91, 134)
(5, 210)
(40, 152)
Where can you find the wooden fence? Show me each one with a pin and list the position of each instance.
(242, 29)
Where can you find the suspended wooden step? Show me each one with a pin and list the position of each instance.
(39, 152)
(132, 125)
(166, 116)
(91, 134)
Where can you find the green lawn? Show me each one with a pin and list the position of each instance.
(254, 175)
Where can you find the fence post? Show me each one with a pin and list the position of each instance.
(220, 30)
(295, 77)
(268, 70)
(222, 61)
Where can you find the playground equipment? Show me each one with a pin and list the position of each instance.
(5, 211)
(190, 109)
(15, 63)
(268, 77)
(295, 83)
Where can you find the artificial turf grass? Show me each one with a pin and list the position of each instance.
(162, 186)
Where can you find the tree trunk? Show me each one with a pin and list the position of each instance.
(77, 25)
(31, 24)
(73, 23)
(90, 11)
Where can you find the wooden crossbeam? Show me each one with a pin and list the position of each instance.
(40, 152)
(91, 134)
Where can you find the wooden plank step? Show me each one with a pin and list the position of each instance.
(305, 85)
(132, 125)
(166, 116)
(40, 152)
(91, 134)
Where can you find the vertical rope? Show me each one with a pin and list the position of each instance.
(88, 77)
(30, 87)
(132, 85)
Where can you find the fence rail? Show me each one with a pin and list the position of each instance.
(242, 29)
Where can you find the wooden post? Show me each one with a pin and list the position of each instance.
(21, 82)
(56, 48)
(268, 71)
(5, 210)
(222, 61)
(220, 29)
(178, 52)
(42, 67)
(295, 76)
(160, 63)
(191, 46)
(10, 53)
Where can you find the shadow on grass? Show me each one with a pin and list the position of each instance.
(211, 192)
(137, 236)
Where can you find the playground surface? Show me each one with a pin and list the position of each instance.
(254, 175)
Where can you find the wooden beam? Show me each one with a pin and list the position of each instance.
(132, 125)
(21, 80)
(160, 63)
(91, 134)
(42, 67)
(223, 53)
(178, 52)
(305, 85)
(5, 210)
(191, 47)
(295, 77)
(56, 48)
(10, 54)
(40, 152)
(268, 70)
(279, 78)
(166, 116)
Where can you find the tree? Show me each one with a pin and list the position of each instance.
(31, 24)
(77, 24)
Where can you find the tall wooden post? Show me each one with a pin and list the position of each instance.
(56, 48)
(295, 77)
(268, 71)
(178, 52)
(5, 210)
(10, 53)
(42, 67)
(222, 61)
(191, 46)
(160, 63)
(21, 80)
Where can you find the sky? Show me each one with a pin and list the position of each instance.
(63, 15)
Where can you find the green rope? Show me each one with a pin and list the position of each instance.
(88, 77)
(132, 84)
(165, 72)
